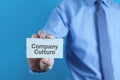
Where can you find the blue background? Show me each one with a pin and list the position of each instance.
(19, 19)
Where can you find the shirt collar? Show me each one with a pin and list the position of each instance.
(91, 2)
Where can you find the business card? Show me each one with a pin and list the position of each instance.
(44, 48)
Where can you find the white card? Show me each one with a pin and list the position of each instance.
(44, 48)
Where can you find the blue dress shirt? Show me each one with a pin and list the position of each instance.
(75, 19)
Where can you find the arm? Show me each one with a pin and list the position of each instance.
(56, 25)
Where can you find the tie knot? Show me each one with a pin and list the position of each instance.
(98, 2)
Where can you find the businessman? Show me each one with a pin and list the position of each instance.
(92, 28)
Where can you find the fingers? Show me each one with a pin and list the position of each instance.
(35, 36)
(50, 36)
(42, 34)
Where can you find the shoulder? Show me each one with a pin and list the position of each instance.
(115, 5)
(68, 8)
(70, 4)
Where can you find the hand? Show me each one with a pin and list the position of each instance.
(41, 64)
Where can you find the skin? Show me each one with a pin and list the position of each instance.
(41, 64)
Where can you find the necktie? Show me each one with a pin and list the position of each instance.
(103, 42)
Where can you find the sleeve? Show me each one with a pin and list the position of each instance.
(32, 72)
(57, 24)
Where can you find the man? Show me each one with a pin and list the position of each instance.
(79, 21)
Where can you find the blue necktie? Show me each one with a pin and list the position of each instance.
(103, 42)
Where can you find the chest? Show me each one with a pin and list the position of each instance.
(83, 29)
